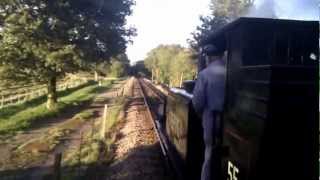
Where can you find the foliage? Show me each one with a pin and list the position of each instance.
(222, 12)
(120, 62)
(168, 63)
(117, 69)
(114, 112)
(119, 66)
(42, 40)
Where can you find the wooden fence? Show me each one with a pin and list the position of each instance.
(14, 96)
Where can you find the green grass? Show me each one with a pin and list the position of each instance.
(84, 115)
(22, 117)
(92, 146)
(52, 138)
(114, 112)
(38, 148)
(11, 110)
(90, 152)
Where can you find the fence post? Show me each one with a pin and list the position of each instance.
(92, 127)
(2, 101)
(22, 98)
(80, 148)
(103, 128)
(29, 97)
(17, 99)
(57, 166)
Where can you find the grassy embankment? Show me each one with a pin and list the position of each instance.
(93, 146)
(21, 117)
(38, 148)
(94, 149)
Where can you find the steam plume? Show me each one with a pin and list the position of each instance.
(286, 9)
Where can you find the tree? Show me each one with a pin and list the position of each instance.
(222, 12)
(120, 62)
(119, 66)
(170, 63)
(42, 40)
(117, 69)
(183, 68)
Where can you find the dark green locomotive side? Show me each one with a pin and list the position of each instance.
(184, 135)
(271, 115)
(271, 109)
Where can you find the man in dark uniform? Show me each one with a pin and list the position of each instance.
(208, 97)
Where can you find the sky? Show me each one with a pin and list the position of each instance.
(163, 22)
(172, 21)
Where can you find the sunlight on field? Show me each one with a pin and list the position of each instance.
(20, 117)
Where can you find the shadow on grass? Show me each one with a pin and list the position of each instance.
(141, 163)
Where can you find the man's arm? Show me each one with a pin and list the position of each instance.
(199, 94)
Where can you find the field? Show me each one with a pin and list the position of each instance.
(20, 117)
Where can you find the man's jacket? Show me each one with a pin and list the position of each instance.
(208, 94)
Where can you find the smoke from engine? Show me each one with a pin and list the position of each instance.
(286, 9)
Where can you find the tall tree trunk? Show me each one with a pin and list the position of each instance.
(151, 75)
(181, 80)
(157, 78)
(52, 93)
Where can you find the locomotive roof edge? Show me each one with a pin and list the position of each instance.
(220, 33)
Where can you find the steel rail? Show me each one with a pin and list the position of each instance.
(164, 144)
(157, 131)
(155, 91)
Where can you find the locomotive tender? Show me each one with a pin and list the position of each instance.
(270, 123)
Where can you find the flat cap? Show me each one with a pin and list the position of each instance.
(212, 50)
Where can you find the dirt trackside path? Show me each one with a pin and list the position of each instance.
(137, 150)
(30, 154)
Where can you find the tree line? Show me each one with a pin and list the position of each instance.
(42, 40)
(171, 64)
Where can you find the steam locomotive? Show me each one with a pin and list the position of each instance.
(270, 121)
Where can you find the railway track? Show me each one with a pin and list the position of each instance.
(155, 100)
(138, 151)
